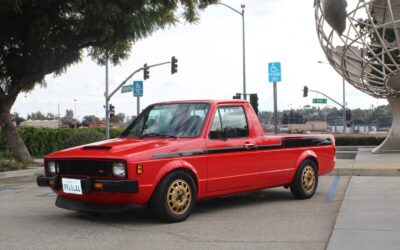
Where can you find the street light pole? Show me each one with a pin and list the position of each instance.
(107, 106)
(344, 106)
(244, 54)
(244, 44)
(344, 99)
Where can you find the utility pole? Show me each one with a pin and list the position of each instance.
(59, 118)
(76, 117)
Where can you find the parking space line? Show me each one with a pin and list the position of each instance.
(332, 189)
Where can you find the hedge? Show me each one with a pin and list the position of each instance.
(349, 140)
(42, 141)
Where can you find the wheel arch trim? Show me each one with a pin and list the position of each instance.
(173, 166)
(306, 155)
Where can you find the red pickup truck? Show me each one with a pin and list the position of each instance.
(176, 153)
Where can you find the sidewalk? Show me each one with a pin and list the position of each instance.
(370, 215)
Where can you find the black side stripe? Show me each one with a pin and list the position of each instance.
(180, 154)
(225, 150)
(305, 142)
(286, 143)
(267, 147)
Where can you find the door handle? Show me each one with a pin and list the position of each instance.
(248, 146)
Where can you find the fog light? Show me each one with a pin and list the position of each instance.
(119, 169)
(51, 167)
(139, 169)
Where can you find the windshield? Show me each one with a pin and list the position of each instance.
(169, 120)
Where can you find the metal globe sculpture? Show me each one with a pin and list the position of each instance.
(361, 40)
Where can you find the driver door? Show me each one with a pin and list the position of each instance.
(232, 162)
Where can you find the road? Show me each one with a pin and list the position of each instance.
(269, 219)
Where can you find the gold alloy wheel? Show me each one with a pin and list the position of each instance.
(179, 196)
(308, 178)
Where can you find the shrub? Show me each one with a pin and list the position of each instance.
(42, 141)
(9, 165)
(83, 137)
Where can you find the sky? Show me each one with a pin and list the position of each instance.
(209, 57)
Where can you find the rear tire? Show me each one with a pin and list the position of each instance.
(174, 198)
(305, 181)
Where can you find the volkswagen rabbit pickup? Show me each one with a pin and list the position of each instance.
(176, 153)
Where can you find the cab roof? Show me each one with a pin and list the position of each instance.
(205, 101)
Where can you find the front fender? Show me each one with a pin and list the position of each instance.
(306, 154)
(171, 166)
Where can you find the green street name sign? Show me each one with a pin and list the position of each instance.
(320, 101)
(127, 89)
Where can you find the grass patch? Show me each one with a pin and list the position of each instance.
(10, 165)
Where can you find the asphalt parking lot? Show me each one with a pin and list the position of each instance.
(269, 219)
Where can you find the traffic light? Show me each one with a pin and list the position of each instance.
(237, 96)
(146, 72)
(348, 118)
(305, 91)
(174, 65)
(112, 110)
(254, 102)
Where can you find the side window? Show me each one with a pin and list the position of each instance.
(229, 122)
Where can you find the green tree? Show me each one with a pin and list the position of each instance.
(36, 116)
(90, 119)
(118, 118)
(44, 37)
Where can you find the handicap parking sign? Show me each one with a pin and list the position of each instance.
(274, 72)
(137, 88)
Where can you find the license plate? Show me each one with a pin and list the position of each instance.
(72, 186)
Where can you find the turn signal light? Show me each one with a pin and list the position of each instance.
(139, 169)
(98, 185)
(51, 182)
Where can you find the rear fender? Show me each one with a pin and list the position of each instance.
(306, 154)
(172, 166)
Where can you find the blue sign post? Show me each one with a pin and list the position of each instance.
(138, 92)
(274, 76)
(137, 88)
(274, 72)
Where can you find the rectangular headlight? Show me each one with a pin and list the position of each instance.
(118, 169)
(51, 167)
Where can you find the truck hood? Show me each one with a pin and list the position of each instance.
(116, 148)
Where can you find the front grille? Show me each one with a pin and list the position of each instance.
(95, 168)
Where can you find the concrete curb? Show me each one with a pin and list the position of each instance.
(365, 172)
(22, 173)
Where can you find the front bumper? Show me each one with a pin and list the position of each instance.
(89, 184)
(82, 206)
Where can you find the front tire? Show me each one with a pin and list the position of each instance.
(305, 181)
(174, 198)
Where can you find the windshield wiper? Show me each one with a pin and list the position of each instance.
(157, 135)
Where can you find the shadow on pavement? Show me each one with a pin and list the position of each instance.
(143, 215)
